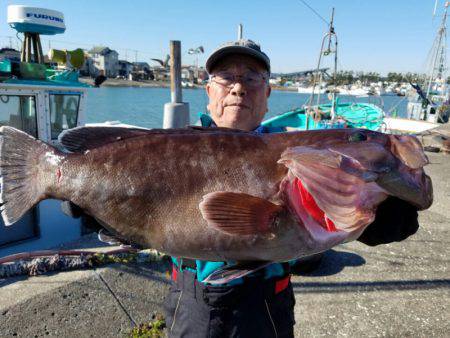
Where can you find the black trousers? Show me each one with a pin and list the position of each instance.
(258, 308)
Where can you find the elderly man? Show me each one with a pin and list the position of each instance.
(262, 304)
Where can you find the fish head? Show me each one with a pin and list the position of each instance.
(346, 180)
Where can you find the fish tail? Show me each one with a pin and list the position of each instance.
(22, 185)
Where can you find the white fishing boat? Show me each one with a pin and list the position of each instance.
(354, 91)
(426, 110)
(408, 126)
(310, 89)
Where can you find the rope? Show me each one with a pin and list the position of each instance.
(315, 12)
(46, 253)
(130, 317)
(41, 262)
(396, 105)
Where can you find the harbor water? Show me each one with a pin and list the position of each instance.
(144, 106)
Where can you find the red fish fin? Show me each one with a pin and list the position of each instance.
(237, 213)
(232, 272)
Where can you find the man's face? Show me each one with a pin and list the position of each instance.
(240, 105)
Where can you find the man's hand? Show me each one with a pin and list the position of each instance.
(395, 221)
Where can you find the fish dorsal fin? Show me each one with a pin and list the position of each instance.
(80, 139)
(215, 130)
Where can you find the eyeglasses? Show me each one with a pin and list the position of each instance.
(249, 79)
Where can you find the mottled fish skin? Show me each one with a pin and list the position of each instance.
(149, 188)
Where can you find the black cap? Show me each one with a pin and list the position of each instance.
(243, 46)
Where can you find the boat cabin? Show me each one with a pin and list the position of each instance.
(42, 109)
(41, 99)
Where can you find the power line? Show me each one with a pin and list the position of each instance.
(315, 12)
(90, 45)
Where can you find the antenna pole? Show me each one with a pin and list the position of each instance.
(240, 32)
(332, 32)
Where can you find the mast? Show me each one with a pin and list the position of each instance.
(333, 102)
(438, 67)
(328, 38)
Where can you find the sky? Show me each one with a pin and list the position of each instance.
(373, 35)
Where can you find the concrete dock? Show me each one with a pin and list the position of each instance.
(396, 290)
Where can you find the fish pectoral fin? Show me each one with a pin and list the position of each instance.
(236, 271)
(239, 213)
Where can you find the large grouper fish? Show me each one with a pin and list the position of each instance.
(217, 194)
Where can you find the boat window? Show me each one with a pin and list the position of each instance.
(19, 111)
(63, 112)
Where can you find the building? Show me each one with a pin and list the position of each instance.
(188, 73)
(10, 54)
(161, 74)
(142, 71)
(193, 74)
(103, 60)
(202, 75)
(125, 69)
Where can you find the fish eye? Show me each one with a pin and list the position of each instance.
(357, 137)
